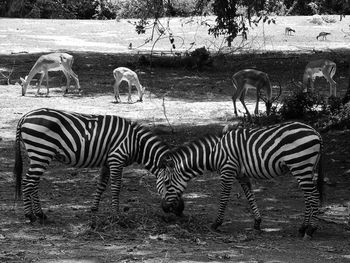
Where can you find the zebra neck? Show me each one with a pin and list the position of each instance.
(195, 157)
(149, 149)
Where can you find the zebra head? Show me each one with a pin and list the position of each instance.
(172, 201)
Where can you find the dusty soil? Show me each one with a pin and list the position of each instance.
(195, 103)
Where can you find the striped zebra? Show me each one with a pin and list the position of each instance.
(81, 140)
(241, 154)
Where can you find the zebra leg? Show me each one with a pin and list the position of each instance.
(37, 206)
(226, 187)
(30, 193)
(30, 185)
(247, 189)
(313, 199)
(116, 181)
(101, 187)
(311, 196)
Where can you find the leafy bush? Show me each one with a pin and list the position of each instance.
(200, 57)
(316, 19)
(340, 120)
(181, 8)
(334, 105)
(299, 104)
(131, 9)
(50, 9)
(84, 9)
(106, 10)
(329, 19)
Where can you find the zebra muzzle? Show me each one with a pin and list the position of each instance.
(177, 206)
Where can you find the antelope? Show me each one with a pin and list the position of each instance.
(288, 31)
(124, 74)
(320, 68)
(251, 78)
(51, 62)
(323, 35)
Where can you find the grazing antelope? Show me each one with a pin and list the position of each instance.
(51, 62)
(323, 35)
(124, 74)
(251, 78)
(288, 31)
(320, 68)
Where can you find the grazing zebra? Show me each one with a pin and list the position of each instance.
(241, 154)
(81, 140)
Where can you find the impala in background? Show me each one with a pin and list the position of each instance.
(288, 31)
(51, 62)
(252, 78)
(320, 68)
(323, 35)
(124, 74)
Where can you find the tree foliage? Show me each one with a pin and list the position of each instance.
(232, 17)
(102, 9)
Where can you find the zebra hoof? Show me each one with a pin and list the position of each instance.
(42, 217)
(177, 207)
(302, 230)
(257, 223)
(215, 225)
(31, 217)
(310, 231)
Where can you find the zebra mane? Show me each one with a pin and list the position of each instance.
(197, 141)
(203, 145)
(150, 146)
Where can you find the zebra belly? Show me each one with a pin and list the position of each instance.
(72, 160)
(261, 170)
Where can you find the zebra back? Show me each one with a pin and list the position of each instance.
(273, 150)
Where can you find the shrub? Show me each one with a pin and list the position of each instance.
(200, 57)
(329, 19)
(106, 10)
(181, 8)
(316, 19)
(49, 9)
(334, 104)
(83, 9)
(299, 104)
(340, 120)
(133, 9)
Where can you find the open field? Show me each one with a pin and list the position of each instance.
(19, 35)
(196, 102)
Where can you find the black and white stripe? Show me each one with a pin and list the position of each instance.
(242, 154)
(82, 140)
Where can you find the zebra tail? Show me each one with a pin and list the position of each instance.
(18, 168)
(320, 179)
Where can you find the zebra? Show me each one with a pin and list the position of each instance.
(241, 154)
(81, 140)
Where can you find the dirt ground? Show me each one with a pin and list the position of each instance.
(195, 103)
